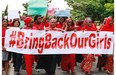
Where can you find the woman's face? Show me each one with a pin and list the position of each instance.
(111, 23)
(69, 23)
(39, 20)
(89, 23)
(53, 24)
(16, 24)
(61, 20)
(31, 23)
(4, 23)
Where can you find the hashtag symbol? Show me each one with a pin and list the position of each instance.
(12, 39)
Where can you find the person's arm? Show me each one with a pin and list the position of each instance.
(65, 27)
(45, 18)
(83, 29)
(4, 49)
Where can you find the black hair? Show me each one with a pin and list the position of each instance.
(72, 22)
(60, 18)
(15, 21)
(35, 18)
(80, 22)
(6, 20)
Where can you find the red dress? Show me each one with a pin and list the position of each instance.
(88, 60)
(109, 61)
(109, 64)
(29, 60)
(68, 61)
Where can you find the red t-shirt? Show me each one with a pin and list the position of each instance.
(46, 24)
(10, 24)
(79, 28)
(107, 28)
(38, 27)
(3, 35)
(90, 28)
(58, 25)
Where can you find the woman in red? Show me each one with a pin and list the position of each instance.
(88, 25)
(29, 59)
(59, 26)
(104, 22)
(38, 25)
(68, 60)
(52, 26)
(78, 27)
(48, 62)
(88, 60)
(5, 54)
(103, 57)
(60, 23)
(109, 26)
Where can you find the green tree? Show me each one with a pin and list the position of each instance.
(25, 5)
(109, 9)
(96, 9)
(5, 12)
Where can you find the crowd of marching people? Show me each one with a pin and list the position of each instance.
(67, 62)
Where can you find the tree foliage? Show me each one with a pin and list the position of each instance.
(25, 5)
(96, 9)
(109, 9)
(5, 12)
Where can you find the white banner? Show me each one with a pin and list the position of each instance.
(55, 42)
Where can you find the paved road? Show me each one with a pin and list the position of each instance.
(60, 72)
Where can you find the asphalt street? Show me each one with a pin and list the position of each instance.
(78, 71)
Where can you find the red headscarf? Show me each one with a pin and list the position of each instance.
(109, 19)
(79, 25)
(107, 26)
(104, 22)
(89, 28)
(27, 20)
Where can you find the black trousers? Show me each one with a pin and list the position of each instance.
(48, 63)
(17, 61)
(58, 59)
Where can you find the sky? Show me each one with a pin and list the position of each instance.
(17, 4)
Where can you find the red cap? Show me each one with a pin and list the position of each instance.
(27, 20)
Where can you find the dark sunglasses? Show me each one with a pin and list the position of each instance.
(32, 21)
(90, 22)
